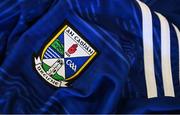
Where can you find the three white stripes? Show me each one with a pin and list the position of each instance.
(165, 53)
(54, 53)
(50, 53)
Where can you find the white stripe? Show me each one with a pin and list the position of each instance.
(54, 52)
(45, 56)
(48, 55)
(51, 53)
(166, 56)
(148, 51)
(178, 37)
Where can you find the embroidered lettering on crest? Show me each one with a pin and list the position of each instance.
(64, 57)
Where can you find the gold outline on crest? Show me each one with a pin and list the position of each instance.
(82, 67)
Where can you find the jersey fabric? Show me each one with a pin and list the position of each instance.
(168, 9)
(134, 67)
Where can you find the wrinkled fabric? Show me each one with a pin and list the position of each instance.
(113, 83)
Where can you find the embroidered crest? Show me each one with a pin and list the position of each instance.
(64, 57)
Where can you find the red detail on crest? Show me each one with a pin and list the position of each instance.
(72, 49)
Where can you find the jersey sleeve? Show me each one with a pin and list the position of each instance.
(93, 57)
(154, 77)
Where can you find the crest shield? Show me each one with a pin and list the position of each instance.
(64, 57)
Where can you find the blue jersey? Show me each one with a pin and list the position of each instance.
(168, 9)
(96, 56)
